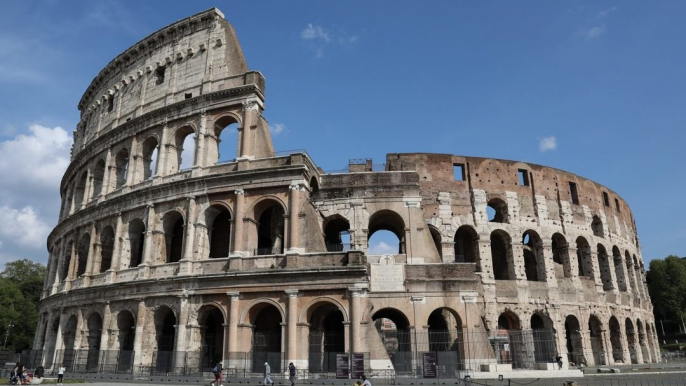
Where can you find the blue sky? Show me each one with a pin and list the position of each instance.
(345, 80)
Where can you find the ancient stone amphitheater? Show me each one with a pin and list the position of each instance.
(168, 258)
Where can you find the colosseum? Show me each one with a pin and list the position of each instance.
(168, 258)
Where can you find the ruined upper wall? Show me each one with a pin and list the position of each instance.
(192, 57)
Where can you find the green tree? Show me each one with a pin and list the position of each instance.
(667, 286)
(21, 284)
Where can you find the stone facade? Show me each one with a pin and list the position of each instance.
(247, 260)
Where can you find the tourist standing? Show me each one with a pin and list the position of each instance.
(291, 373)
(267, 374)
(60, 374)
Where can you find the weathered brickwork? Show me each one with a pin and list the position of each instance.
(236, 259)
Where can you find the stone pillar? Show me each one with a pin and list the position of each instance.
(355, 317)
(486, 259)
(596, 272)
(293, 220)
(92, 252)
(637, 346)
(60, 267)
(516, 266)
(58, 340)
(548, 266)
(233, 329)
(131, 167)
(626, 350)
(86, 191)
(149, 237)
(249, 122)
(200, 155)
(161, 168)
(190, 228)
(292, 325)
(105, 189)
(138, 337)
(40, 332)
(239, 211)
(116, 249)
(105, 333)
(180, 341)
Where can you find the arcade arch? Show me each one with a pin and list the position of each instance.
(467, 245)
(501, 255)
(387, 220)
(172, 226)
(326, 338)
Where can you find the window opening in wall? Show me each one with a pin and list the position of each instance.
(523, 177)
(501, 255)
(597, 227)
(110, 104)
(573, 193)
(617, 204)
(386, 233)
(497, 210)
(336, 234)
(185, 149)
(606, 199)
(188, 95)
(270, 231)
(226, 146)
(458, 172)
(466, 245)
(159, 73)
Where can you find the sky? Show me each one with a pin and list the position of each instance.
(594, 88)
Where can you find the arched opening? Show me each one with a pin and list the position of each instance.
(211, 321)
(543, 338)
(51, 332)
(501, 255)
(630, 272)
(561, 256)
(574, 342)
(67, 261)
(266, 339)
(337, 234)
(631, 340)
(106, 248)
(467, 246)
(597, 341)
(616, 340)
(69, 337)
(642, 343)
(394, 329)
(185, 148)
(218, 220)
(222, 148)
(136, 242)
(509, 345)
(619, 268)
(651, 343)
(150, 154)
(605, 269)
(326, 338)
(173, 235)
(270, 228)
(82, 253)
(121, 163)
(436, 237)
(126, 334)
(314, 187)
(584, 257)
(497, 211)
(379, 242)
(597, 227)
(534, 266)
(94, 335)
(80, 191)
(639, 276)
(446, 340)
(98, 176)
(165, 328)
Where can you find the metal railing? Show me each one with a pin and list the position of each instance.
(340, 247)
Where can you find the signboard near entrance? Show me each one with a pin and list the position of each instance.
(429, 361)
(358, 366)
(342, 366)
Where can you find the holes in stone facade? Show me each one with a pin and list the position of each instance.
(606, 199)
(188, 95)
(159, 74)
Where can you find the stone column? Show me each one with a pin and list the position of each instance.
(249, 121)
(105, 333)
(233, 323)
(116, 249)
(149, 237)
(548, 264)
(190, 229)
(355, 317)
(40, 332)
(239, 211)
(292, 324)
(59, 343)
(105, 189)
(596, 272)
(486, 260)
(293, 220)
(131, 168)
(180, 341)
(61, 254)
(86, 190)
(138, 337)
(161, 168)
(92, 253)
(200, 155)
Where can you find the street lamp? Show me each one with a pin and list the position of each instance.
(7, 333)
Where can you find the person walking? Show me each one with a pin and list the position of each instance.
(291, 373)
(60, 374)
(267, 374)
(217, 370)
(365, 382)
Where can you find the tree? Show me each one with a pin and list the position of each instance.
(667, 286)
(21, 284)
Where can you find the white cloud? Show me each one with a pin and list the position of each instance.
(381, 248)
(606, 12)
(23, 227)
(595, 32)
(315, 32)
(277, 128)
(547, 144)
